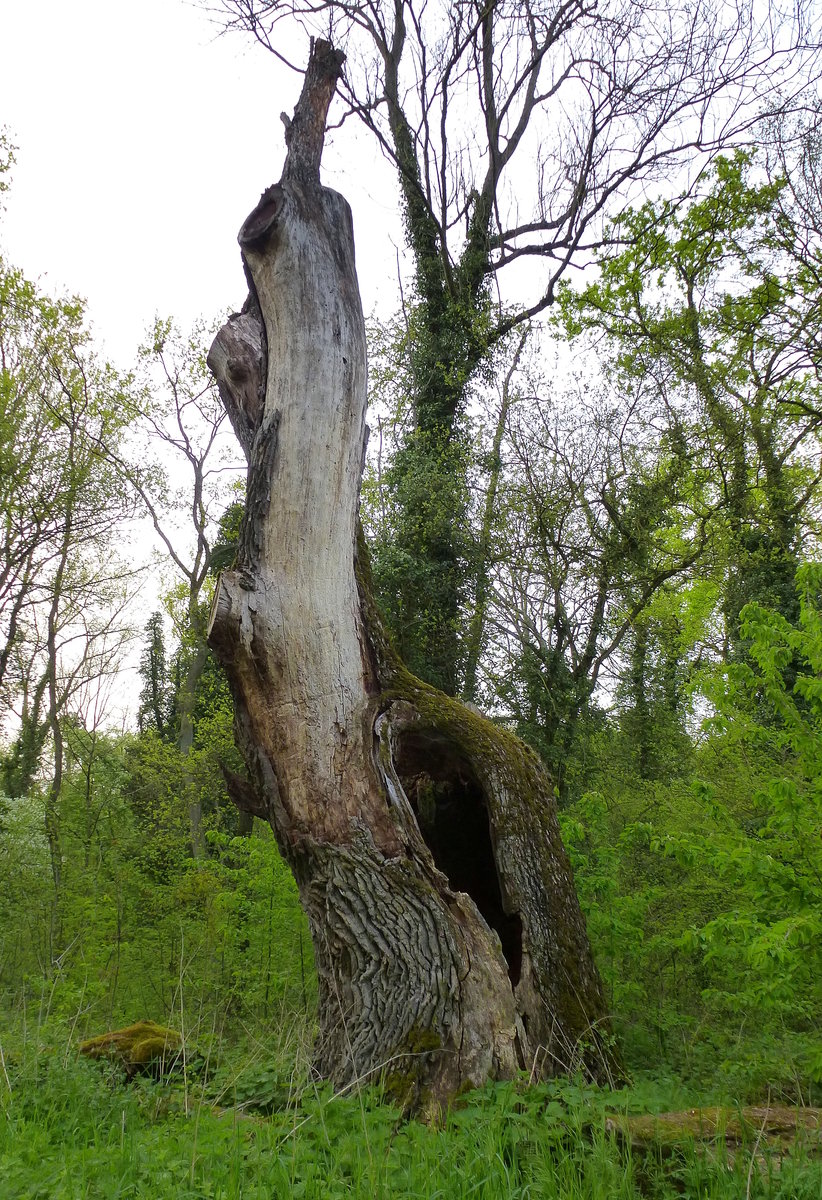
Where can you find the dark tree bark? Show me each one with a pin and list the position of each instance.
(449, 942)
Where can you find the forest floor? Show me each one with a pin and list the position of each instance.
(252, 1128)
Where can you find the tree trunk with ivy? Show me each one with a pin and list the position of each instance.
(448, 938)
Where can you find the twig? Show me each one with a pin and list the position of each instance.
(756, 1146)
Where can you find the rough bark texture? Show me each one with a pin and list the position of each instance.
(448, 939)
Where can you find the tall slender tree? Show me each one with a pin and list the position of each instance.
(62, 587)
(157, 696)
(181, 428)
(604, 509)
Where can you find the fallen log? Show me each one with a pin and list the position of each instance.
(772, 1127)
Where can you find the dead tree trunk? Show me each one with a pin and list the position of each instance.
(448, 938)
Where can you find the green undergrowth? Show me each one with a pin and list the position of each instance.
(72, 1129)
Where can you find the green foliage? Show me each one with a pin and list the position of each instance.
(139, 928)
(416, 498)
(224, 550)
(69, 1131)
(61, 502)
(157, 698)
(773, 937)
(420, 560)
(715, 299)
(703, 893)
(6, 160)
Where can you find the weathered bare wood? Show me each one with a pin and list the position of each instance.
(449, 942)
(237, 359)
(243, 795)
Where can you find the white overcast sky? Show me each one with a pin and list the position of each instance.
(144, 139)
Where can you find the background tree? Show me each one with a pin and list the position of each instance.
(181, 417)
(62, 587)
(157, 697)
(604, 510)
(598, 100)
(718, 301)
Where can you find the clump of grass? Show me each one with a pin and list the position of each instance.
(77, 1130)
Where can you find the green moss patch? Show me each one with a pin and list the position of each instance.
(776, 1127)
(136, 1047)
(402, 1084)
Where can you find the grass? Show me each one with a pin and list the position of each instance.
(75, 1130)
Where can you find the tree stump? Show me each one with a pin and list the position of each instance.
(144, 1046)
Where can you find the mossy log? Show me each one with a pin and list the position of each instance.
(774, 1127)
(143, 1046)
(448, 938)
